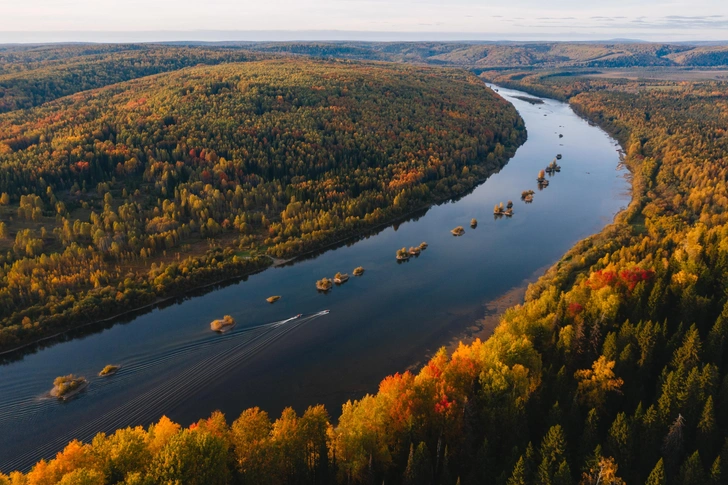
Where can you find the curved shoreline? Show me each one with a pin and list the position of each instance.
(276, 262)
(483, 328)
(416, 338)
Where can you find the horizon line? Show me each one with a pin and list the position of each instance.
(308, 35)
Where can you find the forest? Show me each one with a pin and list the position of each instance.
(33, 76)
(113, 198)
(528, 55)
(612, 371)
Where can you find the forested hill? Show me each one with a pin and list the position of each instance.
(114, 197)
(613, 371)
(30, 76)
(485, 55)
(33, 75)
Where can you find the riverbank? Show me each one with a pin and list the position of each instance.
(553, 274)
(378, 324)
(338, 240)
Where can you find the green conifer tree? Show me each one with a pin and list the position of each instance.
(657, 475)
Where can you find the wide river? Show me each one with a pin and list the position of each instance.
(392, 317)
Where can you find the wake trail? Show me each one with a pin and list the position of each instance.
(145, 407)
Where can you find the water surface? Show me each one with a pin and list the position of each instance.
(379, 323)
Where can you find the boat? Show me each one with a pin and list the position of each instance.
(458, 231)
(415, 251)
(358, 271)
(508, 213)
(273, 299)
(340, 278)
(109, 370)
(299, 315)
(423, 246)
(325, 312)
(222, 325)
(403, 254)
(474, 223)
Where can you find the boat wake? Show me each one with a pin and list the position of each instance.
(200, 362)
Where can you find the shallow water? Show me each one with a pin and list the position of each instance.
(380, 323)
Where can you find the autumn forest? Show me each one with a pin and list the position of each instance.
(613, 371)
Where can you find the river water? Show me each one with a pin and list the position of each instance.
(380, 323)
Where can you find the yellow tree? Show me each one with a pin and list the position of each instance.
(595, 383)
(603, 472)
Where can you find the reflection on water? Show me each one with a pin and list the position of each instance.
(379, 323)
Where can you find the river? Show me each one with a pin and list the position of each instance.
(390, 318)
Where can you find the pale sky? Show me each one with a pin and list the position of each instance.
(149, 20)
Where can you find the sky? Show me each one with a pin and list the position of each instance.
(156, 20)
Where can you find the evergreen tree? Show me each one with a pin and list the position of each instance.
(590, 435)
(563, 474)
(518, 477)
(619, 440)
(716, 342)
(692, 471)
(706, 428)
(553, 449)
(716, 474)
(657, 475)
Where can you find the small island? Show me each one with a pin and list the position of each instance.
(222, 325)
(553, 167)
(458, 231)
(423, 246)
(324, 284)
(473, 223)
(542, 182)
(500, 211)
(65, 387)
(560, 135)
(273, 299)
(341, 278)
(529, 99)
(358, 271)
(403, 254)
(109, 370)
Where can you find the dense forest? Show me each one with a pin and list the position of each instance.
(31, 77)
(613, 371)
(112, 198)
(485, 55)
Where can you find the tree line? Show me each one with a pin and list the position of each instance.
(115, 196)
